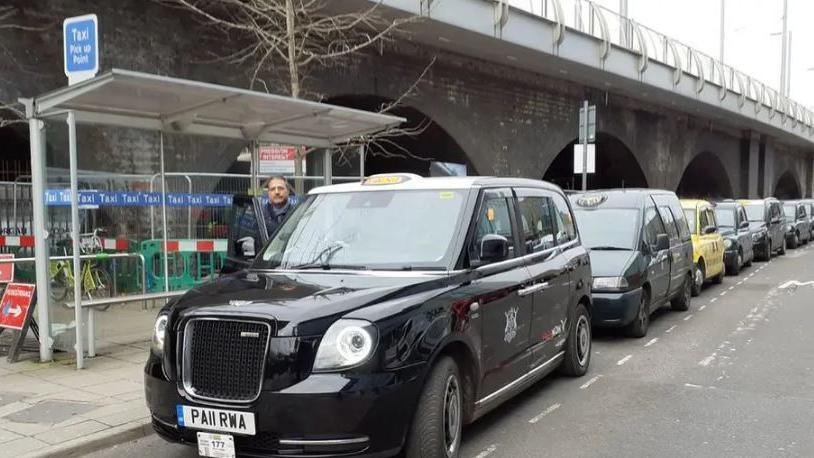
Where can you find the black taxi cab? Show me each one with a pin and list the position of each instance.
(641, 254)
(379, 319)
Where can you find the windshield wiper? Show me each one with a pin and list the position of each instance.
(318, 263)
(609, 248)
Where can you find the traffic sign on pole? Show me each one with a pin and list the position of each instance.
(80, 38)
(587, 134)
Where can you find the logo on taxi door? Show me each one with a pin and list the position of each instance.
(510, 331)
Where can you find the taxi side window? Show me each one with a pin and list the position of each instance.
(245, 227)
(536, 214)
(494, 218)
(711, 217)
(652, 225)
(741, 215)
(801, 212)
(703, 220)
(566, 230)
(669, 222)
(774, 211)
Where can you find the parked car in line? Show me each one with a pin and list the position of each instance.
(798, 227)
(641, 254)
(734, 227)
(766, 223)
(380, 317)
(809, 205)
(707, 243)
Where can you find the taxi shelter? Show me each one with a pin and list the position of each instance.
(121, 98)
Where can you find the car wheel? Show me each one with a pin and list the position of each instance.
(718, 279)
(638, 328)
(738, 263)
(795, 241)
(782, 250)
(436, 428)
(578, 345)
(682, 302)
(698, 279)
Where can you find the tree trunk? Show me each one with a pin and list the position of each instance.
(295, 85)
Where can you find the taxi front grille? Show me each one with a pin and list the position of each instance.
(224, 360)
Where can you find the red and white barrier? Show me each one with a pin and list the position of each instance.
(197, 245)
(24, 241)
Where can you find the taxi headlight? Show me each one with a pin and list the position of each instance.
(159, 334)
(609, 283)
(727, 243)
(348, 343)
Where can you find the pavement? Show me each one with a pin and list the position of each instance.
(732, 377)
(53, 409)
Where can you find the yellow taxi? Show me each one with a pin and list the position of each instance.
(707, 243)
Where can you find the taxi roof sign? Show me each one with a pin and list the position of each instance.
(591, 200)
(379, 180)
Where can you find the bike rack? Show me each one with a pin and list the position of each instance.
(110, 301)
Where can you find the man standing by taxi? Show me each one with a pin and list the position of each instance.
(281, 202)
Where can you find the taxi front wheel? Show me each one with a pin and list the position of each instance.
(437, 424)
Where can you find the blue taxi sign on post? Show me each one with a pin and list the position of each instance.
(81, 47)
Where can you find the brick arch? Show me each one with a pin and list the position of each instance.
(424, 139)
(705, 177)
(617, 166)
(788, 186)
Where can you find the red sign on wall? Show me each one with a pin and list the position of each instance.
(6, 269)
(15, 305)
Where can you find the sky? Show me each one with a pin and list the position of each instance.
(749, 45)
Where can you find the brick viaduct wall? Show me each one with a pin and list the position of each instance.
(507, 121)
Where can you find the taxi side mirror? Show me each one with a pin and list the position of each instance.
(493, 248)
(662, 242)
(775, 220)
(244, 247)
(710, 230)
(744, 225)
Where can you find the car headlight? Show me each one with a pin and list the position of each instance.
(348, 343)
(159, 334)
(727, 243)
(609, 283)
(790, 227)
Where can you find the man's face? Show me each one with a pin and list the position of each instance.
(278, 192)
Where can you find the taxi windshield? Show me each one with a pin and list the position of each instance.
(725, 217)
(392, 230)
(597, 234)
(755, 212)
(790, 212)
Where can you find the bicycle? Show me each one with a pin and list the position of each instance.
(96, 282)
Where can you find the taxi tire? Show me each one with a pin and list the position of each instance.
(426, 438)
(718, 279)
(696, 287)
(795, 241)
(571, 365)
(782, 250)
(638, 327)
(736, 266)
(681, 303)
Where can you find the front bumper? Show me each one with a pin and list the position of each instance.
(615, 309)
(324, 415)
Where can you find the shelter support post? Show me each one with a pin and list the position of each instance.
(77, 262)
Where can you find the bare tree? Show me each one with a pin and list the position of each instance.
(301, 36)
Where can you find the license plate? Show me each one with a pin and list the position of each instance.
(216, 445)
(229, 421)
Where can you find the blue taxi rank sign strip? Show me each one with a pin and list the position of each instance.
(62, 198)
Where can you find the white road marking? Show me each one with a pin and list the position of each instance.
(702, 308)
(731, 288)
(791, 283)
(692, 385)
(688, 317)
(544, 413)
(707, 361)
(652, 341)
(713, 300)
(487, 451)
(723, 293)
(590, 382)
(670, 329)
(624, 360)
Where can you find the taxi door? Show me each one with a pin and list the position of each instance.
(713, 242)
(505, 314)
